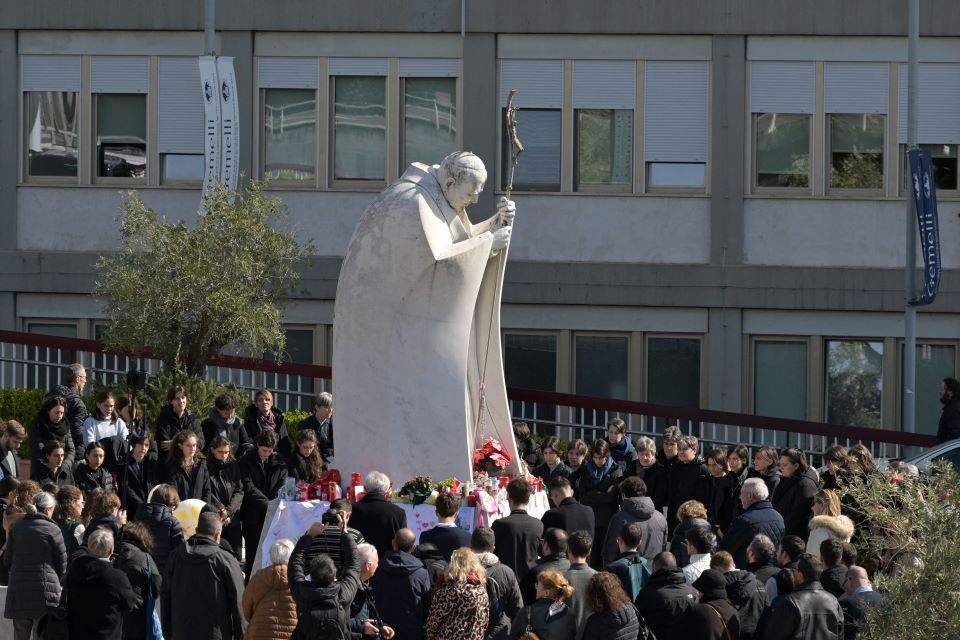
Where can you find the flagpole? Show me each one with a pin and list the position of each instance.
(910, 270)
(209, 13)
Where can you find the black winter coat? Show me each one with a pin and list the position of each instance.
(378, 520)
(657, 480)
(771, 477)
(193, 483)
(132, 560)
(570, 516)
(688, 481)
(949, 426)
(213, 427)
(517, 540)
(402, 589)
(88, 479)
(41, 431)
(169, 424)
(316, 603)
(98, 598)
(702, 622)
(76, 412)
(664, 600)
(226, 487)
(760, 517)
(41, 472)
(809, 613)
(136, 481)
(36, 560)
(621, 624)
(793, 499)
(748, 597)
(262, 481)
(252, 427)
(603, 496)
(201, 593)
(503, 594)
(166, 530)
(722, 503)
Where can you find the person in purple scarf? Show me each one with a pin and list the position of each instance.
(263, 416)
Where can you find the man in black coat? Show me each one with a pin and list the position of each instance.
(689, 479)
(375, 517)
(553, 557)
(74, 379)
(569, 514)
(518, 535)
(401, 588)
(263, 472)
(859, 596)
(202, 587)
(503, 590)
(98, 594)
(747, 595)
(949, 427)
(666, 597)
(809, 612)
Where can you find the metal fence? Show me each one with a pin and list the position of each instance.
(38, 361)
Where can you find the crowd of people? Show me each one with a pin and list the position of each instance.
(724, 545)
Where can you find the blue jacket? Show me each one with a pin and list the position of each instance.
(401, 588)
(761, 517)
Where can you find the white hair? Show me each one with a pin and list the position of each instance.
(376, 482)
(755, 488)
(280, 551)
(100, 543)
(367, 552)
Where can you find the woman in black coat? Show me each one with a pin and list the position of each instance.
(765, 468)
(163, 525)
(264, 473)
(186, 469)
(263, 416)
(226, 490)
(599, 489)
(91, 474)
(305, 463)
(615, 617)
(139, 475)
(793, 498)
(51, 424)
(52, 468)
(132, 555)
(651, 471)
(175, 417)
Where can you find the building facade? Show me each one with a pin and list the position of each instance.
(710, 205)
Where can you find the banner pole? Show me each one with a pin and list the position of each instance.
(209, 22)
(910, 269)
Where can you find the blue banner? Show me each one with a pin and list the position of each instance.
(925, 199)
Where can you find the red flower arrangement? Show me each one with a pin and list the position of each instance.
(491, 458)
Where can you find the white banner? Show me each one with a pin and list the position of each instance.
(229, 123)
(210, 86)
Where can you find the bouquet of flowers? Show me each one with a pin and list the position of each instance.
(417, 489)
(449, 485)
(490, 458)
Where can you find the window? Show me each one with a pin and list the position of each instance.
(856, 151)
(604, 148)
(359, 128)
(780, 379)
(429, 119)
(53, 139)
(676, 174)
(673, 371)
(934, 363)
(602, 366)
(944, 158)
(121, 135)
(290, 135)
(854, 377)
(180, 121)
(540, 168)
(782, 150)
(182, 167)
(530, 362)
(299, 349)
(48, 375)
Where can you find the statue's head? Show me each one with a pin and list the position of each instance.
(462, 176)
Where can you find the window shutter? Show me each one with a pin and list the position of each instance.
(939, 102)
(782, 87)
(50, 73)
(358, 67)
(675, 100)
(539, 83)
(856, 87)
(429, 68)
(180, 106)
(120, 74)
(288, 73)
(604, 84)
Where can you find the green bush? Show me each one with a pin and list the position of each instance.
(21, 405)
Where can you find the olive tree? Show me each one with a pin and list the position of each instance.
(186, 293)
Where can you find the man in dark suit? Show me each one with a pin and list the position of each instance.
(518, 535)
(859, 596)
(569, 514)
(375, 517)
(447, 536)
(98, 594)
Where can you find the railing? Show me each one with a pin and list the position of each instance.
(32, 360)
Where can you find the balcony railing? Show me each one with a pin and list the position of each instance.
(37, 361)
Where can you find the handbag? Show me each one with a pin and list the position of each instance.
(529, 634)
(154, 630)
(55, 625)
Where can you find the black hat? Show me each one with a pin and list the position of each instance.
(711, 584)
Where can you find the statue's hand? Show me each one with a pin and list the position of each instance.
(507, 210)
(501, 238)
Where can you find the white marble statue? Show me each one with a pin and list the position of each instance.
(417, 328)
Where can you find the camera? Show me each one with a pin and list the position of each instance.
(329, 517)
(137, 379)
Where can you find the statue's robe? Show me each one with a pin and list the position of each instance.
(416, 329)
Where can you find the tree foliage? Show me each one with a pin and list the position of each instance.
(912, 540)
(186, 293)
